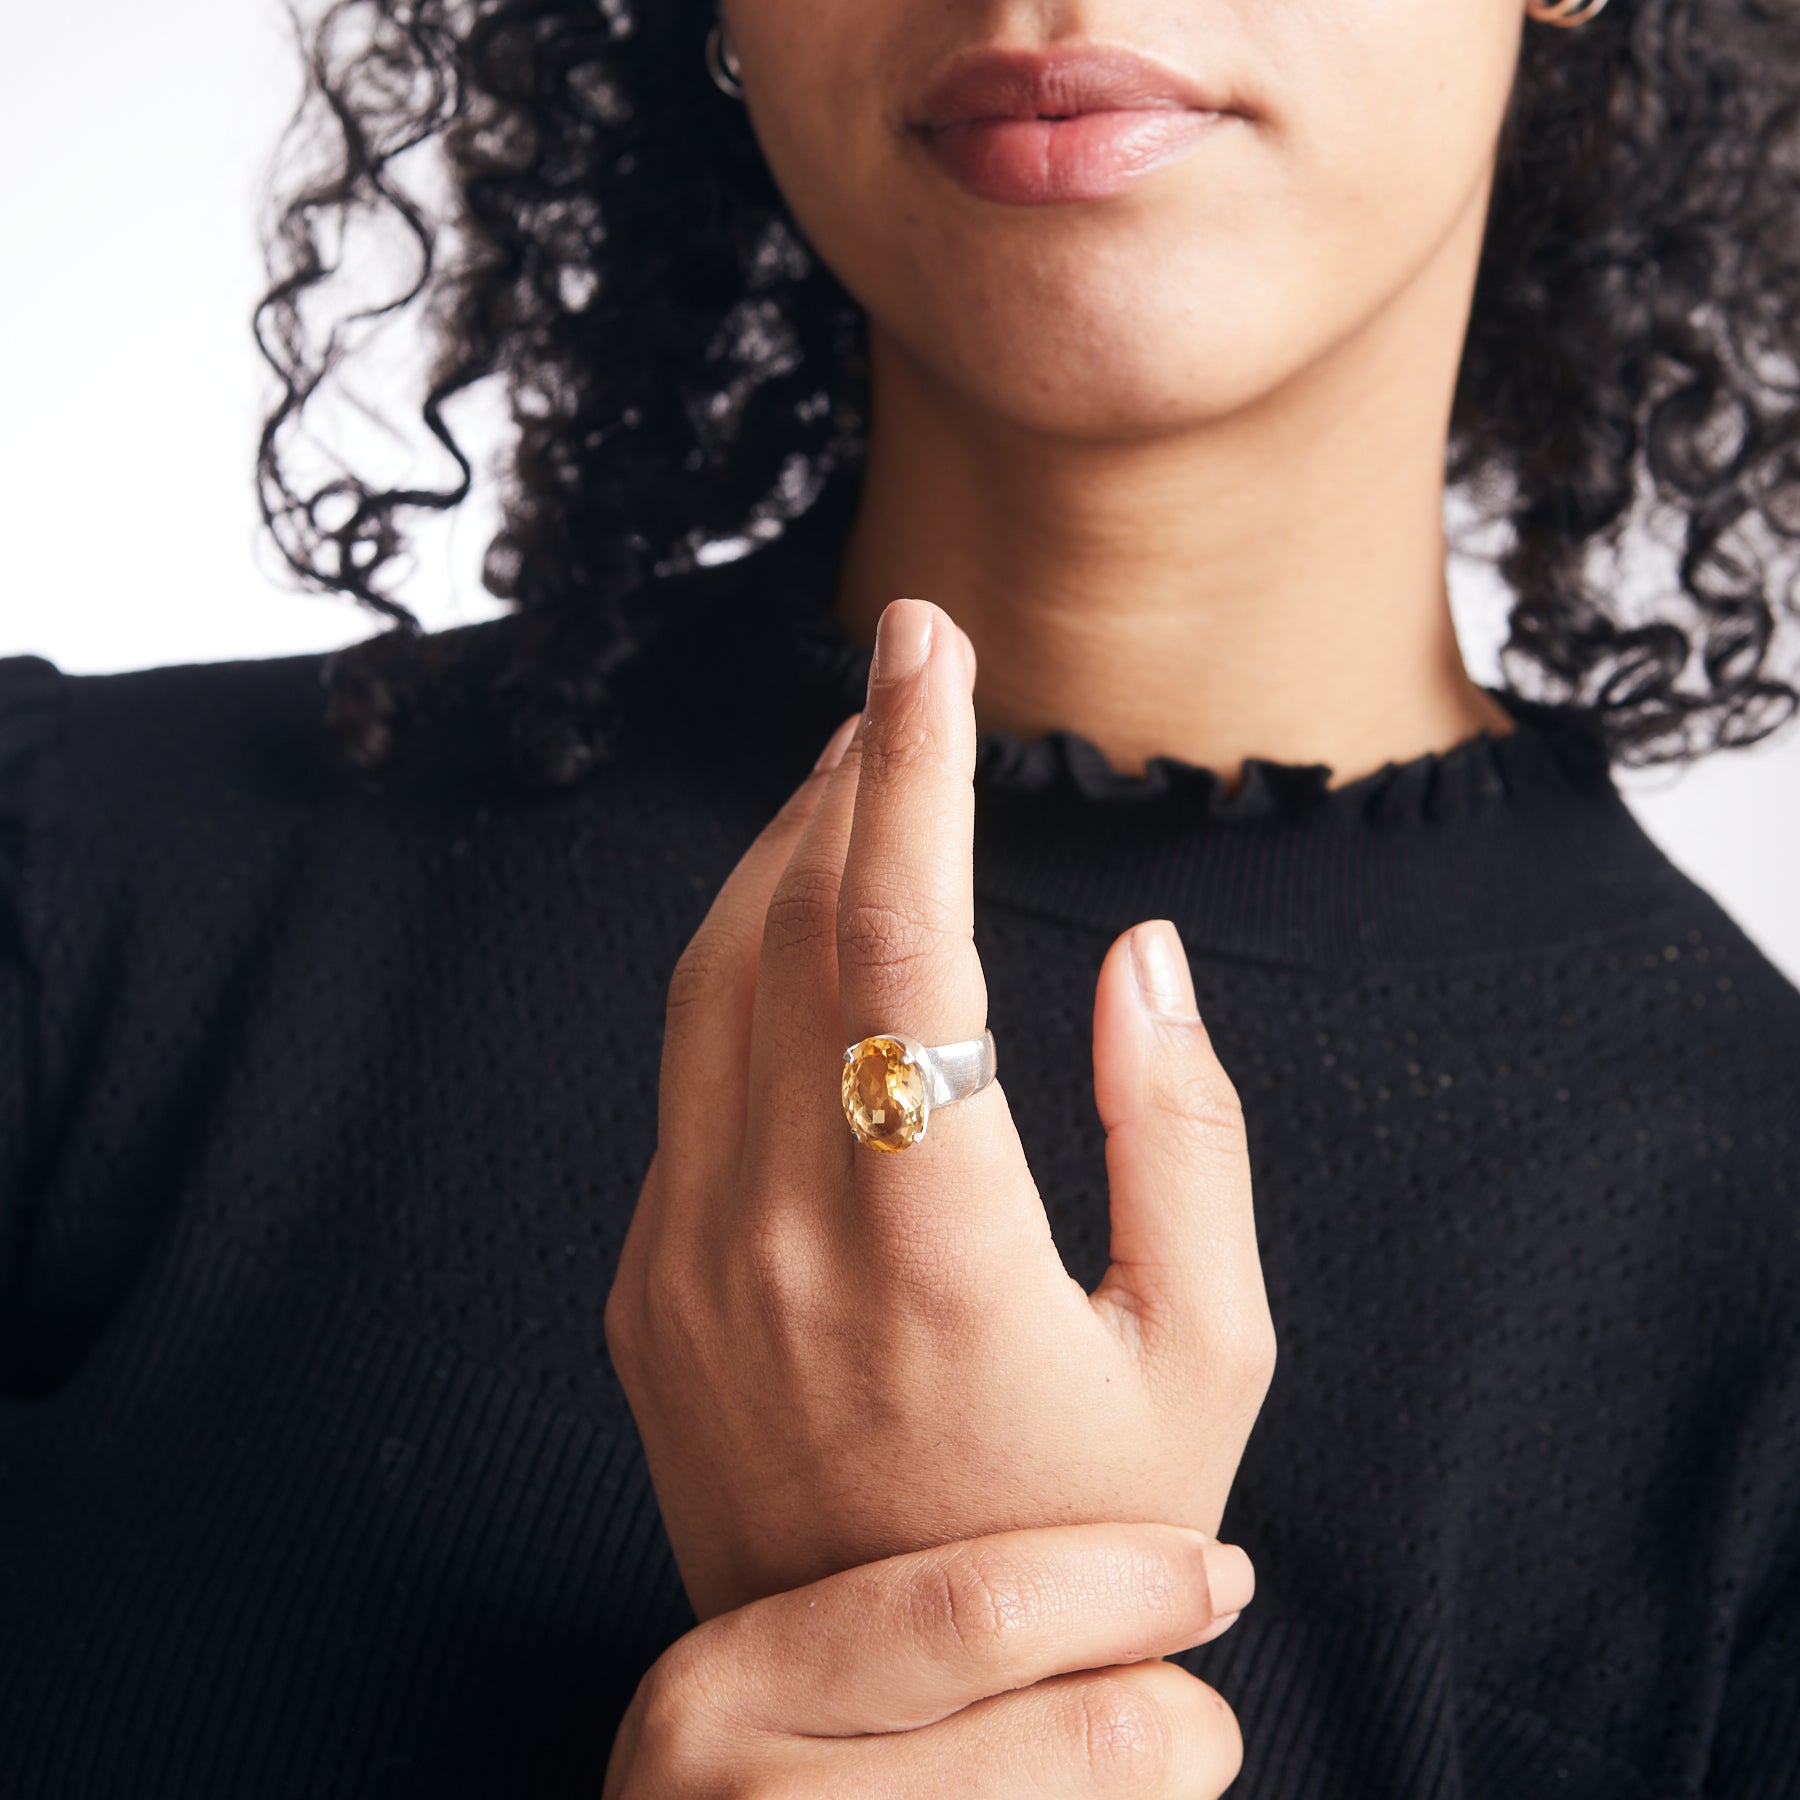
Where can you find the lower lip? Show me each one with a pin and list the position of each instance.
(1091, 156)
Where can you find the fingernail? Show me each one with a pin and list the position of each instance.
(836, 745)
(1230, 1579)
(968, 650)
(1161, 966)
(902, 639)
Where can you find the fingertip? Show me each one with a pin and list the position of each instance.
(1230, 1577)
(908, 629)
(903, 637)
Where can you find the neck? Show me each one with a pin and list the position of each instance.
(1271, 583)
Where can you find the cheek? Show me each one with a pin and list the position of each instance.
(1390, 129)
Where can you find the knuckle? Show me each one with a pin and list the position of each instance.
(980, 1602)
(901, 738)
(695, 1726)
(769, 1784)
(679, 1313)
(681, 1726)
(777, 1261)
(1258, 1351)
(882, 930)
(622, 1316)
(802, 911)
(1244, 1344)
(1119, 1731)
(1205, 1099)
(1152, 1727)
(619, 1322)
(696, 977)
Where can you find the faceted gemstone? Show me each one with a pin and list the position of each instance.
(884, 1096)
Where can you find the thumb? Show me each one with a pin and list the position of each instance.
(1184, 1256)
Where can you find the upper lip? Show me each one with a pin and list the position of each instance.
(989, 83)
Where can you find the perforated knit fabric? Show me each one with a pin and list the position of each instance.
(325, 1099)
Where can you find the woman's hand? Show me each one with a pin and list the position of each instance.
(835, 1352)
(1023, 1656)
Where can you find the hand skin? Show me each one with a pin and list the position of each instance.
(834, 1353)
(1019, 1664)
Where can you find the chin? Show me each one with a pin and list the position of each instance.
(1105, 378)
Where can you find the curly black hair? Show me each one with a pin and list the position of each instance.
(683, 372)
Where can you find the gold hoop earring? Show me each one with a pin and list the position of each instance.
(1563, 12)
(722, 61)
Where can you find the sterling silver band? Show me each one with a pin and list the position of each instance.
(954, 1071)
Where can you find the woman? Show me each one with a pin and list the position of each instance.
(459, 1299)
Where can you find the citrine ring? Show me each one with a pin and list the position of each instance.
(892, 1082)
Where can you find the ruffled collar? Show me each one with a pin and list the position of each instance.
(1495, 843)
(1549, 745)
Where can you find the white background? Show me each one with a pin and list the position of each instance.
(135, 137)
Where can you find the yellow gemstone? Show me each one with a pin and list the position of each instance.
(884, 1095)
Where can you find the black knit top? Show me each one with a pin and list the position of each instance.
(325, 1099)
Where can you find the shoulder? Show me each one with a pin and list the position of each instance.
(1746, 1063)
(209, 748)
(165, 796)
(1719, 994)
(177, 798)
(1700, 1076)
(31, 698)
(1708, 1007)
(121, 740)
(242, 719)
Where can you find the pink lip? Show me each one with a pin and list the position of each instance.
(1026, 128)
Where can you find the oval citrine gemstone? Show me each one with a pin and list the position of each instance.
(884, 1094)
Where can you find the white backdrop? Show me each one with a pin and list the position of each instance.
(136, 137)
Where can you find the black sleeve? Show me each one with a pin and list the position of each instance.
(31, 706)
(1756, 1750)
(1756, 1743)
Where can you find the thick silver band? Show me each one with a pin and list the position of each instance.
(954, 1071)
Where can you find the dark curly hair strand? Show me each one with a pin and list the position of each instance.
(684, 374)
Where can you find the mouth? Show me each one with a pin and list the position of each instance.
(1084, 122)
(1053, 86)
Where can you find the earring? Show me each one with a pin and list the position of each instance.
(1563, 12)
(722, 61)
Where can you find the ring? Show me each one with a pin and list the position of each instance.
(891, 1082)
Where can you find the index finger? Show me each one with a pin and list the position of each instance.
(906, 903)
(944, 1210)
(906, 1641)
